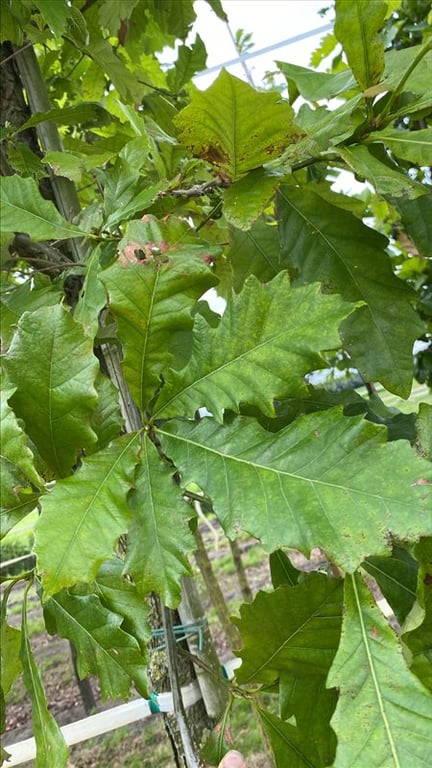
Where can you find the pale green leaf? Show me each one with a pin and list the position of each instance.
(35, 293)
(357, 28)
(372, 164)
(103, 647)
(398, 64)
(246, 198)
(52, 365)
(216, 6)
(25, 210)
(384, 715)
(424, 430)
(66, 164)
(292, 630)
(325, 128)
(71, 541)
(313, 85)
(50, 746)
(11, 665)
(254, 252)
(415, 146)
(152, 299)
(324, 480)
(324, 242)
(159, 538)
(252, 355)
(396, 577)
(235, 127)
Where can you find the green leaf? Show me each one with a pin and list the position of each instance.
(50, 746)
(234, 127)
(111, 15)
(103, 647)
(246, 198)
(159, 537)
(216, 6)
(93, 296)
(35, 293)
(25, 210)
(416, 219)
(396, 577)
(418, 641)
(254, 252)
(11, 665)
(292, 630)
(398, 64)
(424, 430)
(325, 128)
(121, 596)
(282, 570)
(373, 164)
(415, 146)
(357, 28)
(84, 112)
(66, 164)
(383, 718)
(313, 85)
(53, 367)
(314, 242)
(107, 421)
(251, 356)
(151, 300)
(16, 460)
(288, 743)
(55, 13)
(293, 488)
(71, 547)
(189, 61)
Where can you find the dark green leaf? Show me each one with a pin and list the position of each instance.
(189, 62)
(55, 13)
(71, 547)
(322, 241)
(312, 704)
(251, 356)
(50, 746)
(103, 647)
(254, 252)
(324, 480)
(282, 570)
(53, 368)
(416, 216)
(291, 630)
(396, 577)
(418, 641)
(159, 537)
(288, 743)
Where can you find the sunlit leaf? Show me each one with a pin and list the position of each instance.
(234, 127)
(313, 85)
(357, 28)
(415, 146)
(244, 200)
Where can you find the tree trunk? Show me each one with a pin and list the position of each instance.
(241, 572)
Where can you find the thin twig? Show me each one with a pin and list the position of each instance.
(196, 191)
(14, 54)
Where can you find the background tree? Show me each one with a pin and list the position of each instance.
(136, 195)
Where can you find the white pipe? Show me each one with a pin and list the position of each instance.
(103, 722)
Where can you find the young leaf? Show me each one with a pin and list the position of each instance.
(315, 242)
(384, 715)
(252, 356)
(25, 210)
(74, 550)
(50, 746)
(103, 647)
(324, 480)
(396, 577)
(357, 28)
(151, 301)
(159, 537)
(235, 127)
(292, 630)
(53, 367)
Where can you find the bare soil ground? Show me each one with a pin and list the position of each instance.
(144, 744)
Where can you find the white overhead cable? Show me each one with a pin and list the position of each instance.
(267, 49)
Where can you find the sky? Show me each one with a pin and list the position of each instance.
(270, 22)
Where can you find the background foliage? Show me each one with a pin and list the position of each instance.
(127, 194)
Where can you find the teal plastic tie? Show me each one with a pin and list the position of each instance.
(153, 704)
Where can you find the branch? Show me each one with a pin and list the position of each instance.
(197, 190)
(171, 650)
